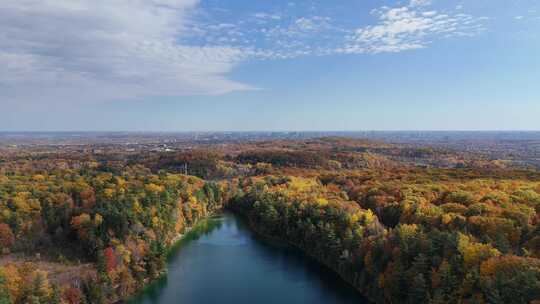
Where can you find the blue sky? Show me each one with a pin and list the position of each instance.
(189, 65)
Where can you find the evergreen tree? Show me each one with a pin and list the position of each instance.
(418, 291)
(5, 298)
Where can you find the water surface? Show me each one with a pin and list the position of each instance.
(224, 262)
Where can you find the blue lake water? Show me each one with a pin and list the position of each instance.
(224, 262)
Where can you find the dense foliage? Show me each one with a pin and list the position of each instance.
(409, 239)
(121, 223)
(411, 225)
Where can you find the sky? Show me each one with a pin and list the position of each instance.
(250, 65)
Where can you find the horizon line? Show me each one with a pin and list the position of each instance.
(263, 131)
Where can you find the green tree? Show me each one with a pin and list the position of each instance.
(5, 298)
(418, 291)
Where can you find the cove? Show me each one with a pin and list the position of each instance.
(222, 261)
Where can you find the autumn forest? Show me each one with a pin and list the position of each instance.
(399, 223)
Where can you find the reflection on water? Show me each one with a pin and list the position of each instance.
(221, 261)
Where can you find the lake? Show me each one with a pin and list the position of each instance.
(222, 261)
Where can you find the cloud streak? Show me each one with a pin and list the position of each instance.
(100, 50)
(407, 28)
(396, 29)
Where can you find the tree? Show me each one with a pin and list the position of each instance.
(5, 297)
(511, 279)
(418, 290)
(41, 288)
(72, 295)
(13, 282)
(7, 239)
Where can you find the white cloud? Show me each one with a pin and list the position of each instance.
(396, 29)
(414, 3)
(267, 16)
(105, 49)
(407, 28)
(96, 50)
(301, 27)
(305, 24)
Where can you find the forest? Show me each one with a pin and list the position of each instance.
(400, 224)
(412, 241)
(102, 235)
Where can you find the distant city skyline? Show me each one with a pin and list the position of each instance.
(189, 65)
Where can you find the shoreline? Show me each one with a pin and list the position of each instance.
(273, 240)
(174, 245)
